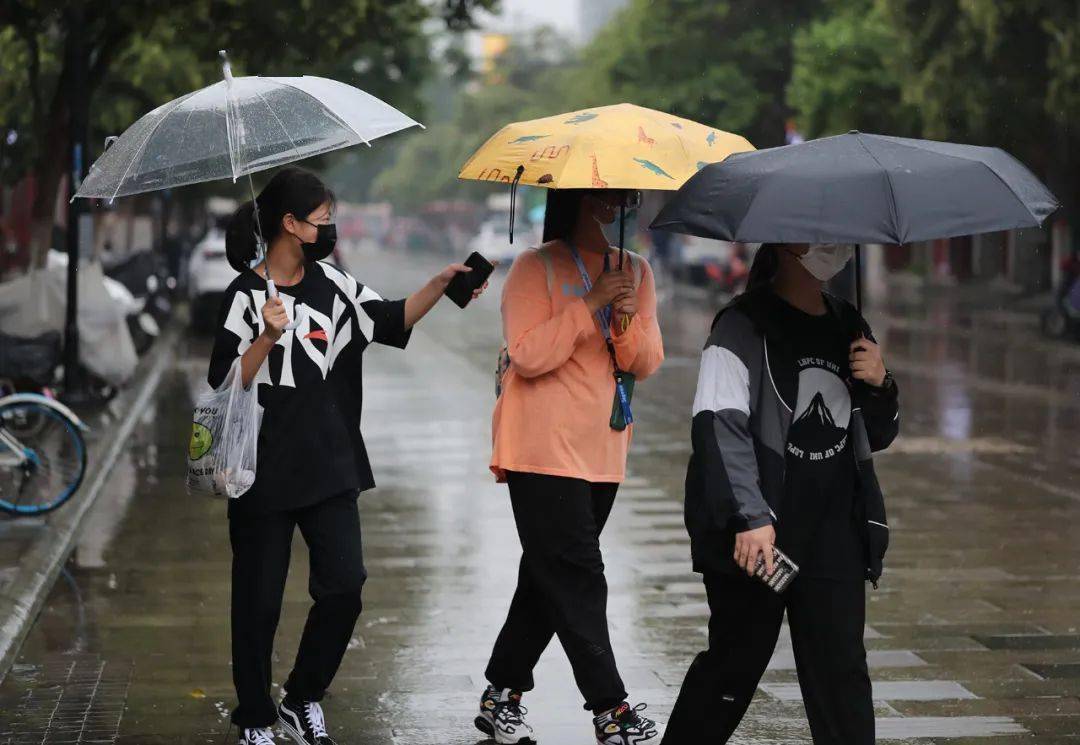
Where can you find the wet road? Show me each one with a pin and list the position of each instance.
(974, 634)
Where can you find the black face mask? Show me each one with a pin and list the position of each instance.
(325, 239)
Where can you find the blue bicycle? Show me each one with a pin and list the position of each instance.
(42, 454)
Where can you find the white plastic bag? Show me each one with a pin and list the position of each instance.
(224, 438)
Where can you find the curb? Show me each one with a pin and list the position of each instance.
(40, 566)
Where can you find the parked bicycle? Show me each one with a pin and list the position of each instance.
(42, 450)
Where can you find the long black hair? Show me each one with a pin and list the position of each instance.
(292, 191)
(763, 269)
(561, 213)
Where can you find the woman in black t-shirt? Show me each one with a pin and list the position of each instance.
(792, 398)
(303, 350)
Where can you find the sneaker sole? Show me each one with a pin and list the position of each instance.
(488, 729)
(484, 725)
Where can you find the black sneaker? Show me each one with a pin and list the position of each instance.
(624, 726)
(259, 736)
(502, 717)
(304, 722)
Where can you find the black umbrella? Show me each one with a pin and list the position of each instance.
(858, 188)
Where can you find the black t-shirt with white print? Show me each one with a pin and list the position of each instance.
(310, 386)
(817, 527)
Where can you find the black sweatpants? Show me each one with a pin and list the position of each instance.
(826, 618)
(261, 544)
(561, 590)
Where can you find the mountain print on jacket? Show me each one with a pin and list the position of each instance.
(822, 414)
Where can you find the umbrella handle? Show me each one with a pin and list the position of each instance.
(272, 288)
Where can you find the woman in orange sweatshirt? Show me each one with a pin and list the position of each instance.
(560, 442)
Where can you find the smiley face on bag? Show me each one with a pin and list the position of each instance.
(201, 440)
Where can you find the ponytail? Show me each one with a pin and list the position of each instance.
(292, 191)
(240, 243)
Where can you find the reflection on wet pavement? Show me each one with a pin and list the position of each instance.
(974, 635)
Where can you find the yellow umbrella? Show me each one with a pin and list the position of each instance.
(610, 147)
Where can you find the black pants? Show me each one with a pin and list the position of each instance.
(261, 544)
(826, 618)
(561, 589)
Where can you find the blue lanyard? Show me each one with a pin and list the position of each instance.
(603, 316)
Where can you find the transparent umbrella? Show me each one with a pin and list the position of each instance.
(235, 128)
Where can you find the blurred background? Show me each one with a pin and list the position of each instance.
(974, 634)
(1003, 73)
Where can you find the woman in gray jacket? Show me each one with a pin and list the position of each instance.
(792, 398)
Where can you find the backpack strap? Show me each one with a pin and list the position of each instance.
(639, 268)
(545, 257)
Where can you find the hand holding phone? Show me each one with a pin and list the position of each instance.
(461, 288)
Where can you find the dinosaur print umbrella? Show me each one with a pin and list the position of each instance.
(610, 147)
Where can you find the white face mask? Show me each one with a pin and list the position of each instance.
(825, 260)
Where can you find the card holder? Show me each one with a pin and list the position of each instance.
(619, 418)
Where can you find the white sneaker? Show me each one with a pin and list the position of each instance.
(502, 717)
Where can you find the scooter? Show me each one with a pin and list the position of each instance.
(1062, 318)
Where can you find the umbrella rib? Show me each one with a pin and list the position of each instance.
(280, 124)
(984, 164)
(228, 130)
(1013, 191)
(142, 145)
(333, 113)
(183, 134)
(892, 192)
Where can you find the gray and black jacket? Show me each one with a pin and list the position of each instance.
(742, 411)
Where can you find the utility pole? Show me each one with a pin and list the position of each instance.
(75, 384)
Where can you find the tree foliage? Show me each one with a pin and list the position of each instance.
(841, 78)
(140, 53)
(725, 63)
(533, 78)
(995, 72)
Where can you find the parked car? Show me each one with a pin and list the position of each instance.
(209, 274)
(493, 243)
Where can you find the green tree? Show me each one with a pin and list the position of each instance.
(996, 72)
(140, 53)
(532, 79)
(841, 78)
(724, 63)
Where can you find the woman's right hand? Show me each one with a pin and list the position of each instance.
(610, 285)
(274, 318)
(750, 543)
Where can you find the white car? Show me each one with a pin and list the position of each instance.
(209, 274)
(492, 241)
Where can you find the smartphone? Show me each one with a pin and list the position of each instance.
(462, 286)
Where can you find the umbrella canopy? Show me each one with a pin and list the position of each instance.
(610, 147)
(237, 127)
(859, 188)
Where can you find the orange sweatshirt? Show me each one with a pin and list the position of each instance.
(554, 412)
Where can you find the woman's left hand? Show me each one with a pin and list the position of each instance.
(866, 362)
